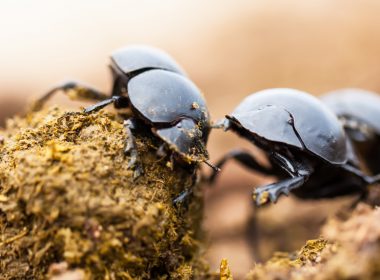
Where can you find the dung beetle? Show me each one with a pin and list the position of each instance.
(161, 99)
(304, 141)
(359, 112)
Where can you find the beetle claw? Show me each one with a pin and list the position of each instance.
(181, 197)
(223, 123)
(138, 171)
(272, 192)
(133, 163)
(260, 198)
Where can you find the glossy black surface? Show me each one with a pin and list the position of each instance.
(358, 104)
(139, 57)
(270, 123)
(305, 144)
(158, 92)
(166, 97)
(359, 112)
(280, 114)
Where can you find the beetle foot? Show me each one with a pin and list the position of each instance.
(138, 171)
(266, 194)
(131, 149)
(260, 198)
(181, 197)
(161, 152)
(134, 162)
(272, 192)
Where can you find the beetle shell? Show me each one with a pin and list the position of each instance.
(362, 105)
(287, 115)
(258, 121)
(139, 57)
(166, 97)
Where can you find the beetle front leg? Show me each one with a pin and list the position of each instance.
(221, 124)
(131, 148)
(243, 157)
(75, 90)
(161, 151)
(299, 172)
(118, 101)
(367, 179)
(182, 196)
(272, 192)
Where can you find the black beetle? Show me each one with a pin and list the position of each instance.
(303, 140)
(359, 112)
(161, 98)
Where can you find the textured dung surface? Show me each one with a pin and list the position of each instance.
(68, 202)
(349, 249)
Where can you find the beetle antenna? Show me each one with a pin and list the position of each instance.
(215, 168)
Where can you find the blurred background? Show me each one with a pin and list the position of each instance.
(229, 49)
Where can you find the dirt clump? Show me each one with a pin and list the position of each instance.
(70, 206)
(348, 249)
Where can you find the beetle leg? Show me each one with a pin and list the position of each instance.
(300, 172)
(271, 192)
(75, 90)
(185, 194)
(161, 151)
(373, 179)
(243, 157)
(182, 196)
(131, 149)
(362, 197)
(253, 235)
(367, 180)
(222, 123)
(117, 100)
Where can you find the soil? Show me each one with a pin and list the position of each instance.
(349, 248)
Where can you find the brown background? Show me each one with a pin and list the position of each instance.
(230, 49)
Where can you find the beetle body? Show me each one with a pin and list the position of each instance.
(172, 105)
(161, 98)
(293, 118)
(304, 141)
(359, 112)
